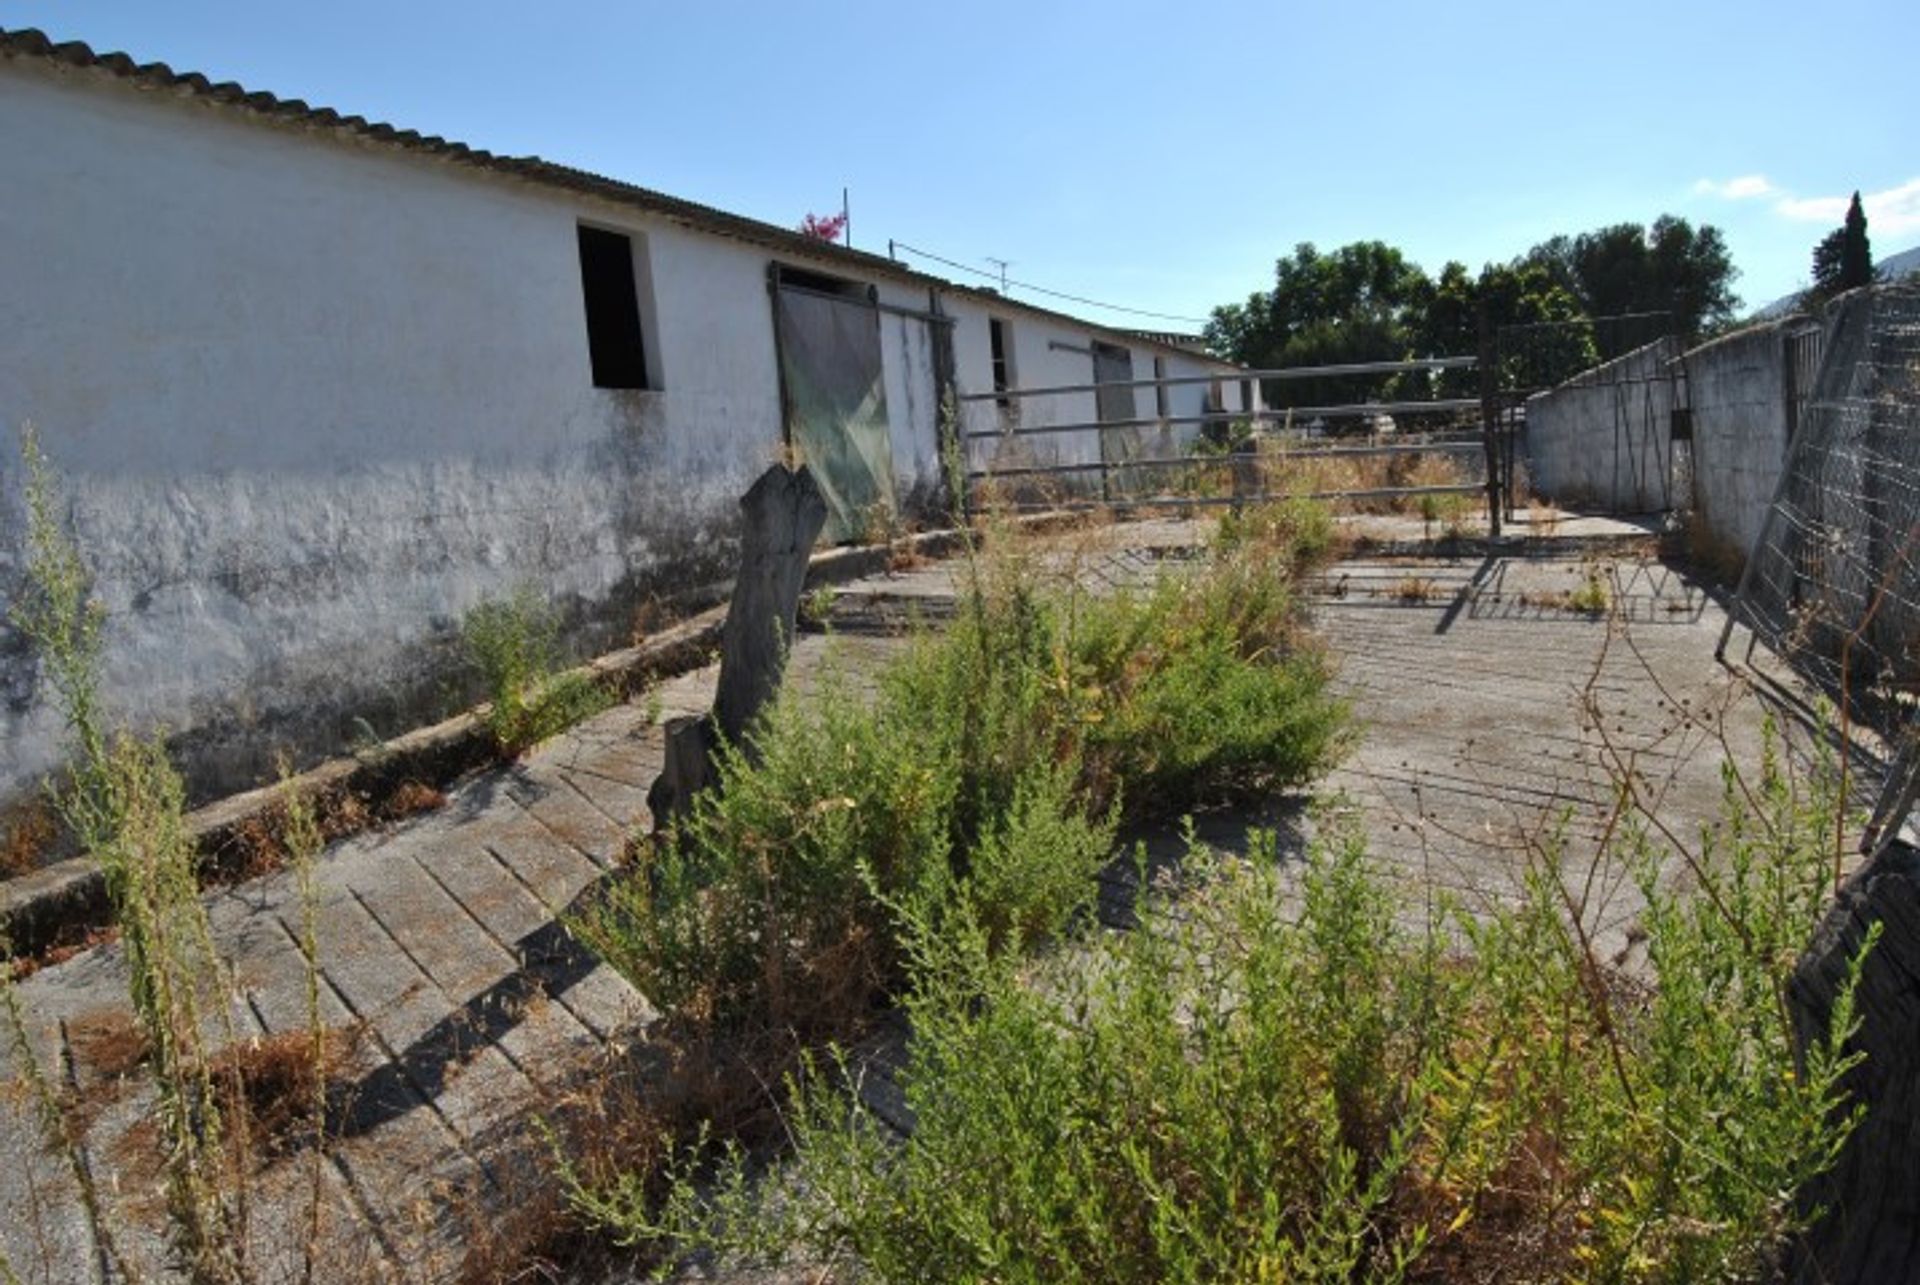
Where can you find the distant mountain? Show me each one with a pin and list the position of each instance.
(1903, 264)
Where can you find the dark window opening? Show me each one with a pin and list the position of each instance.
(1160, 389)
(614, 343)
(821, 283)
(1000, 341)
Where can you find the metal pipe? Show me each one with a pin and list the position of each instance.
(1286, 372)
(1216, 461)
(1213, 501)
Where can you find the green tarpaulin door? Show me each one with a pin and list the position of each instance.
(833, 390)
(1119, 446)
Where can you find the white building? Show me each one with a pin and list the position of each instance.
(314, 386)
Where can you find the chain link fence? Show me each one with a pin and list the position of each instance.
(1833, 584)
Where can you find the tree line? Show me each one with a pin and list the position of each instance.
(1565, 304)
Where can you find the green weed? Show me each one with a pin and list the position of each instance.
(513, 643)
(1592, 598)
(126, 805)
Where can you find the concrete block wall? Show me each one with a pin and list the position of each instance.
(1602, 437)
(1739, 391)
(1587, 439)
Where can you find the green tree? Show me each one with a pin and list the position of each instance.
(1844, 258)
(1670, 267)
(1358, 303)
(1539, 329)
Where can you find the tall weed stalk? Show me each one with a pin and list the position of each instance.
(125, 804)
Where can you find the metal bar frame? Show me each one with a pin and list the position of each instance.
(1353, 410)
(1264, 376)
(1216, 501)
(1217, 461)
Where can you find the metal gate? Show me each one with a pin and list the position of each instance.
(1029, 449)
(1617, 434)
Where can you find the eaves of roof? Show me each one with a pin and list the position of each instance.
(32, 43)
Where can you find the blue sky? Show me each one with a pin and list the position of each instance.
(1159, 155)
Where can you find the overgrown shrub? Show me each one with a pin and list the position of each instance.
(1298, 529)
(514, 644)
(983, 776)
(993, 755)
(1249, 1092)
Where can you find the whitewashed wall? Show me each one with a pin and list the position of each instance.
(311, 399)
(1603, 437)
(1738, 388)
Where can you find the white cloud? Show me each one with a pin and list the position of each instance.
(1744, 188)
(1895, 211)
(1814, 209)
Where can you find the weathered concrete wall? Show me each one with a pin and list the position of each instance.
(1587, 440)
(311, 399)
(1602, 437)
(1739, 392)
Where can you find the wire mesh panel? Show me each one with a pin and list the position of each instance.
(1833, 585)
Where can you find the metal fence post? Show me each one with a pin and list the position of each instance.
(1489, 427)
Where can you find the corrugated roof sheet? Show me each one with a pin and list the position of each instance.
(32, 43)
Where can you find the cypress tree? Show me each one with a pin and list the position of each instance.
(1856, 254)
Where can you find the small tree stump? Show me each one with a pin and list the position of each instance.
(782, 514)
(1871, 1230)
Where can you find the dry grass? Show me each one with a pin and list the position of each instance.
(71, 942)
(27, 835)
(905, 555)
(1290, 472)
(259, 845)
(1415, 589)
(107, 1044)
(273, 1077)
(649, 618)
(269, 1081)
(410, 798)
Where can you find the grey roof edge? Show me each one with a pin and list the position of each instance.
(29, 42)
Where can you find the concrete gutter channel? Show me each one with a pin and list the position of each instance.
(63, 902)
